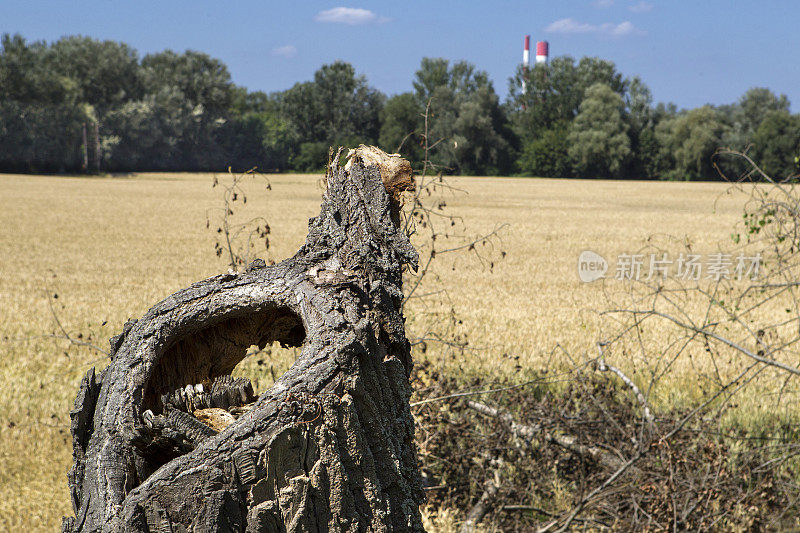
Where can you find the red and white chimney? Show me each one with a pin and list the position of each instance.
(542, 52)
(526, 62)
(526, 52)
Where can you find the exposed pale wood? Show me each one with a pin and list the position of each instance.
(568, 442)
(329, 447)
(484, 503)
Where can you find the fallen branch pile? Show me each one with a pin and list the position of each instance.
(577, 449)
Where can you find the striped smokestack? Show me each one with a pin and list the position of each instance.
(526, 52)
(526, 62)
(542, 52)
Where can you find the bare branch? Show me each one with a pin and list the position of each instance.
(602, 366)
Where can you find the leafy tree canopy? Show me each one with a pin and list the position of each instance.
(550, 93)
(182, 111)
(598, 139)
(776, 144)
(466, 123)
(689, 141)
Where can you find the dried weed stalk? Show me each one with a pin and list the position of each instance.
(241, 241)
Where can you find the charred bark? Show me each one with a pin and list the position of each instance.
(329, 447)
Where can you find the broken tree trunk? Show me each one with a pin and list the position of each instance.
(329, 447)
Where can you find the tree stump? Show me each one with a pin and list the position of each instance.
(329, 447)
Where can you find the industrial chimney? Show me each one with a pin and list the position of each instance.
(526, 62)
(526, 53)
(542, 51)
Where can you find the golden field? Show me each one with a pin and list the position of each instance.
(111, 247)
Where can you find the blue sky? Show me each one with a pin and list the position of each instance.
(690, 53)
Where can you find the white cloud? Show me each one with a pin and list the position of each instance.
(621, 29)
(603, 3)
(287, 51)
(641, 7)
(349, 15)
(569, 25)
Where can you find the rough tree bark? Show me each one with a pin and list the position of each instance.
(329, 447)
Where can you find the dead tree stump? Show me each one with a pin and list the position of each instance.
(330, 447)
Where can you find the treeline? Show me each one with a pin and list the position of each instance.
(81, 104)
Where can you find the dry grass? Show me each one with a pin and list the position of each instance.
(112, 247)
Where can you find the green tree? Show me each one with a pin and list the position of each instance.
(480, 139)
(641, 119)
(348, 106)
(337, 108)
(40, 137)
(776, 144)
(546, 156)
(202, 80)
(154, 134)
(657, 163)
(244, 101)
(26, 76)
(465, 117)
(598, 138)
(461, 77)
(547, 94)
(689, 141)
(299, 106)
(105, 73)
(756, 103)
(402, 126)
(262, 140)
(310, 156)
(168, 112)
(638, 104)
(192, 95)
(743, 119)
(41, 116)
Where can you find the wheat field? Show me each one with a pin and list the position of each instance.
(100, 250)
